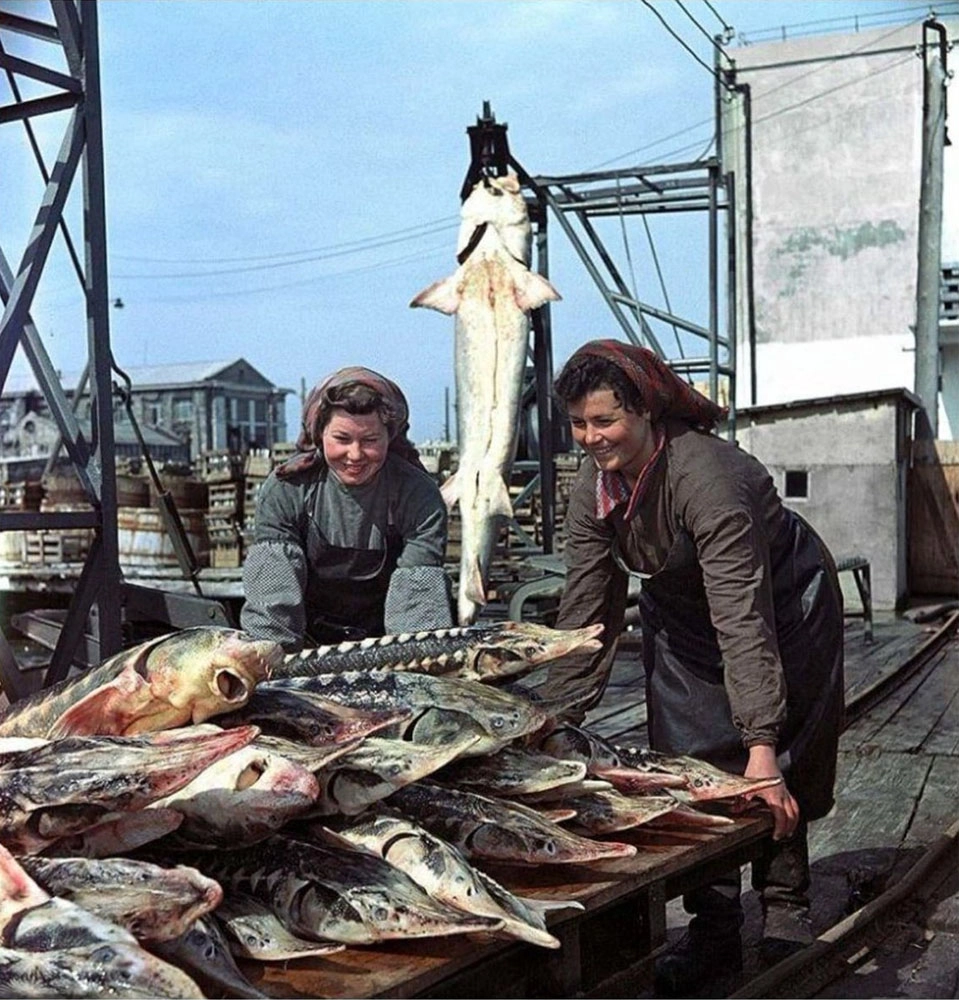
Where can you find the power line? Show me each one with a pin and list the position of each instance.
(413, 232)
(712, 41)
(710, 121)
(727, 28)
(709, 69)
(285, 263)
(430, 253)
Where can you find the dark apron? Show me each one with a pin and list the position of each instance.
(346, 590)
(687, 705)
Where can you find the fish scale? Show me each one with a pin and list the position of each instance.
(439, 649)
(476, 652)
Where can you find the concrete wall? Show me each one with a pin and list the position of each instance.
(835, 181)
(854, 457)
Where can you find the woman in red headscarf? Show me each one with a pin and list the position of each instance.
(741, 614)
(351, 532)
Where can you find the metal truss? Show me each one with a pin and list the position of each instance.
(576, 200)
(70, 79)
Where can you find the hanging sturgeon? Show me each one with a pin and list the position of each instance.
(491, 293)
(477, 652)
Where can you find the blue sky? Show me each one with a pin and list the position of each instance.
(283, 177)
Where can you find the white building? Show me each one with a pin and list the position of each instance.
(836, 130)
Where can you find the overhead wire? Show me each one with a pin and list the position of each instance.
(361, 243)
(709, 121)
(274, 265)
(727, 28)
(712, 40)
(709, 69)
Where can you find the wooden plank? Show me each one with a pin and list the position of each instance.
(933, 529)
(866, 729)
(916, 718)
(412, 968)
(944, 738)
(874, 804)
(937, 804)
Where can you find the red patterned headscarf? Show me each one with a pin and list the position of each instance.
(316, 412)
(663, 392)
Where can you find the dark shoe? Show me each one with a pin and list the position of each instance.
(696, 961)
(772, 950)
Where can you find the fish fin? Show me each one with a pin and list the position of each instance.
(531, 290)
(500, 502)
(17, 890)
(543, 906)
(107, 711)
(450, 491)
(475, 587)
(443, 296)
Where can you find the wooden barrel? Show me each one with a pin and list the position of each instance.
(143, 541)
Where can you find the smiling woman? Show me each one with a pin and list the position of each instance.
(741, 617)
(351, 531)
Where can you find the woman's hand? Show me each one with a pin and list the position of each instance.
(785, 809)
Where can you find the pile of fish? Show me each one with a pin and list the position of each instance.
(202, 798)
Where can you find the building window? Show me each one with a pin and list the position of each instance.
(183, 409)
(796, 484)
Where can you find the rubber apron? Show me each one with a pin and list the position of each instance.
(688, 709)
(347, 589)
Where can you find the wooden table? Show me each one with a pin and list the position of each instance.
(624, 923)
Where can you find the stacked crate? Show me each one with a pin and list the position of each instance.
(255, 470)
(222, 473)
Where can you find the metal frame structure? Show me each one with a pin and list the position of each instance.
(72, 37)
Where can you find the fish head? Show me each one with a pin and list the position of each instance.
(203, 672)
(509, 648)
(497, 202)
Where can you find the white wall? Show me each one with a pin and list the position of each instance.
(836, 171)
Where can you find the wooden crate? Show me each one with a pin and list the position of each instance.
(219, 466)
(258, 463)
(226, 556)
(225, 499)
(49, 547)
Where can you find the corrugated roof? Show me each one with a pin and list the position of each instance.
(872, 396)
(141, 376)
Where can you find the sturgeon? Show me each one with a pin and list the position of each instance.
(204, 951)
(514, 770)
(166, 682)
(67, 786)
(438, 709)
(152, 902)
(498, 830)
(301, 713)
(611, 811)
(376, 769)
(50, 947)
(491, 294)
(478, 652)
(119, 833)
(638, 769)
(254, 931)
(443, 871)
(240, 799)
(703, 782)
(328, 893)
